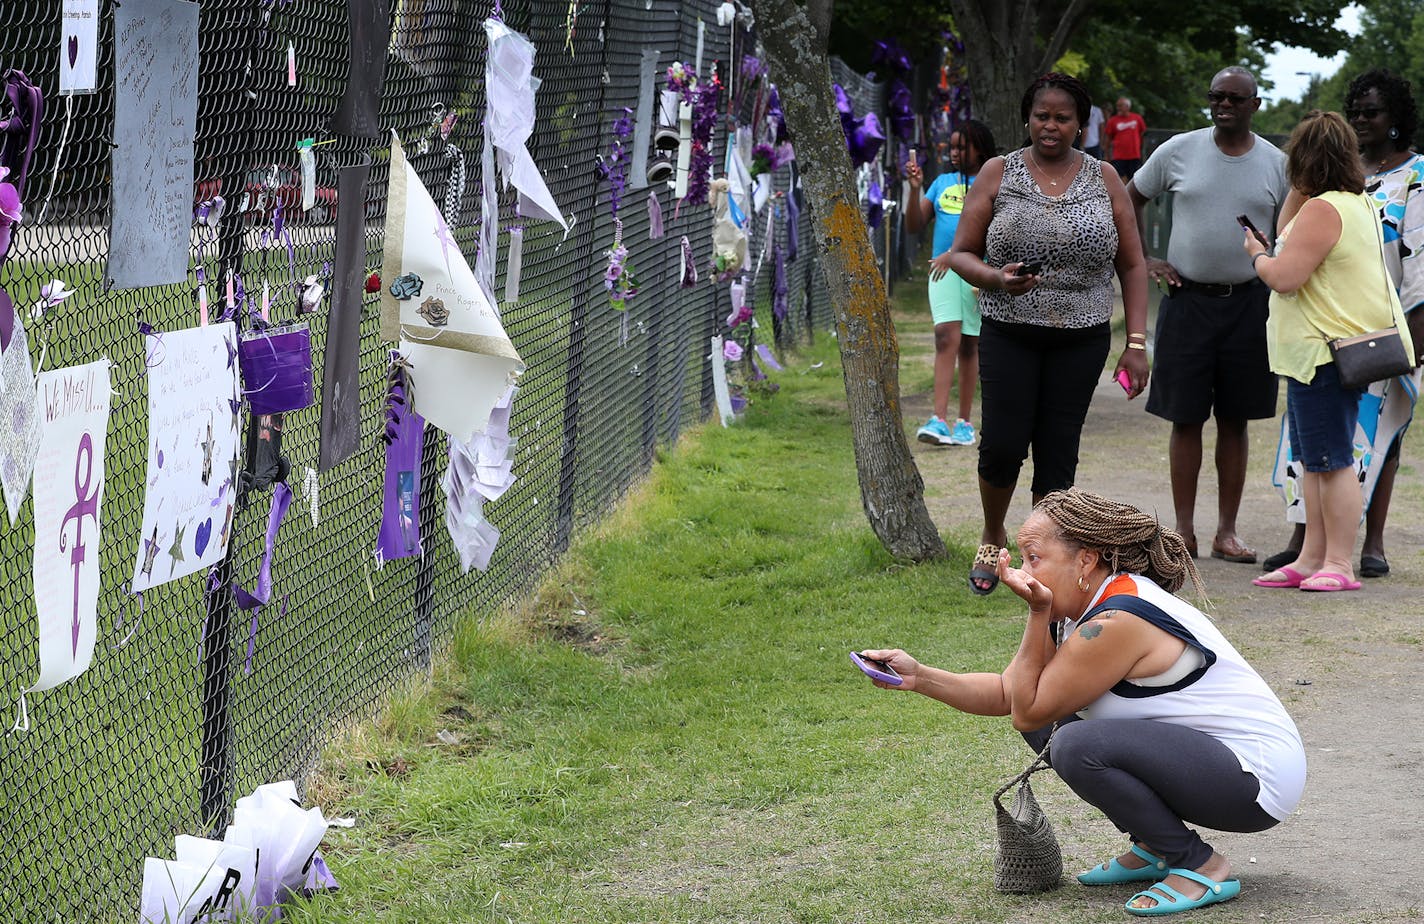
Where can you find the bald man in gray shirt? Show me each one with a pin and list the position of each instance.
(1209, 355)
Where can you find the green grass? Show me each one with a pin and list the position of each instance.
(670, 729)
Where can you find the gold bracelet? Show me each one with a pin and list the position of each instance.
(1136, 346)
(1135, 336)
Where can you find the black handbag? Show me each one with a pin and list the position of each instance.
(1374, 355)
(1370, 357)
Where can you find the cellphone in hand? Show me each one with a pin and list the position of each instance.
(876, 669)
(1124, 380)
(1245, 222)
(1029, 268)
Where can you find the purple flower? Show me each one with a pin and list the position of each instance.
(10, 209)
(740, 315)
(732, 351)
(623, 125)
(752, 69)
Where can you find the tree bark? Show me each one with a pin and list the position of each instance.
(891, 490)
(1006, 54)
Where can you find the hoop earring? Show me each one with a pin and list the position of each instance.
(1393, 132)
(1082, 583)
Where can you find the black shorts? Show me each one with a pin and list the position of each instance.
(1209, 357)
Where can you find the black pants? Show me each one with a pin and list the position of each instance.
(1035, 385)
(1152, 778)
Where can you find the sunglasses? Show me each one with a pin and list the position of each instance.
(1353, 114)
(1215, 97)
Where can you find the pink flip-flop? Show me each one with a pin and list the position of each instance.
(1340, 582)
(1293, 579)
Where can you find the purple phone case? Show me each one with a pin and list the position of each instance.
(873, 672)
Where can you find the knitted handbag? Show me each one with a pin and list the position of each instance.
(1026, 853)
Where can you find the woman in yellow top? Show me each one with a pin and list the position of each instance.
(1328, 280)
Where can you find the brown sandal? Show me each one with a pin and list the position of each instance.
(985, 568)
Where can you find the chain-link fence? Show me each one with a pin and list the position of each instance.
(190, 701)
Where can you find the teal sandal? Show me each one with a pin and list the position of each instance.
(1113, 872)
(1170, 901)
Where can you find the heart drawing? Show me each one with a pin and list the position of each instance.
(201, 536)
(73, 50)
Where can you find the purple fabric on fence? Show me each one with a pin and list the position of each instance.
(20, 133)
(7, 319)
(370, 33)
(262, 592)
(874, 205)
(764, 352)
(399, 535)
(277, 370)
(340, 387)
(778, 284)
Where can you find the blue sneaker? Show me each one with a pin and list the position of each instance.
(963, 433)
(936, 433)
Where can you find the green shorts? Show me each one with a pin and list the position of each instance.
(953, 299)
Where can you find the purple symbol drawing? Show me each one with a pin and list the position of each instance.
(73, 50)
(201, 536)
(83, 506)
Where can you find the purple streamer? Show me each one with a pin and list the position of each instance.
(778, 284)
(281, 500)
(399, 535)
(874, 205)
(793, 220)
(655, 217)
(764, 352)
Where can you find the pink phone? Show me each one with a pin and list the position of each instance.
(1124, 380)
(876, 669)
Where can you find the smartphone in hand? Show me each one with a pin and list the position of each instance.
(1124, 380)
(876, 669)
(1029, 268)
(1245, 222)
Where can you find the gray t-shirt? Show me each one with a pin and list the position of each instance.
(1209, 190)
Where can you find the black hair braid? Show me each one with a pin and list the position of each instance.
(1127, 539)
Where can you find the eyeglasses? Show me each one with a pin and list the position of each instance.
(1353, 114)
(1215, 97)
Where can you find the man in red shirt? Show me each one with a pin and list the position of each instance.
(1124, 133)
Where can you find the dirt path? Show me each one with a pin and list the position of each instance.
(1349, 667)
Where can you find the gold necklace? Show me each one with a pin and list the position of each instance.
(1046, 175)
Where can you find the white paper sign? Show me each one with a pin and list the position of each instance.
(461, 357)
(179, 893)
(19, 427)
(79, 47)
(73, 409)
(234, 899)
(192, 448)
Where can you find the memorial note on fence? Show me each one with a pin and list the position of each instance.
(192, 453)
(155, 120)
(73, 409)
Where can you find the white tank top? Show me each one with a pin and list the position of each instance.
(1224, 698)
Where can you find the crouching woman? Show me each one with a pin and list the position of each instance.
(1160, 722)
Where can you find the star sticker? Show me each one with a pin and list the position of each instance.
(231, 351)
(175, 551)
(150, 552)
(446, 239)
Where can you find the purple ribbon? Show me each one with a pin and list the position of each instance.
(20, 133)
(793, 220)
(778, 283)
(254, 600)
(874, 205)
(399, 535)
(764, 352)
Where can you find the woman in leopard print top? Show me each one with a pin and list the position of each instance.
(1042, 233)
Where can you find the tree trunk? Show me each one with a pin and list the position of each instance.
(891, 489)
(1006, 54)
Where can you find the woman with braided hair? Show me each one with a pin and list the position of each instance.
(1160, 722)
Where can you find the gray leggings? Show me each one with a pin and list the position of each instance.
(1152, 778)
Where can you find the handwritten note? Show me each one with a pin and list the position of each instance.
(73, 409)
(192, 452)
(79, 47)
(155, 117)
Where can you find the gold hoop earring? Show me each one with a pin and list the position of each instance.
(1082, 583)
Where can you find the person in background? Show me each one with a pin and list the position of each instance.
(1209, 353)
(1042, 232)
(1092, 133)
(1160, 722)
(1381, 109)
(953, 304)
(1123, 132)
(1329, 281)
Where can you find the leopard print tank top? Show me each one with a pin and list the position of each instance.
(1072, 235)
